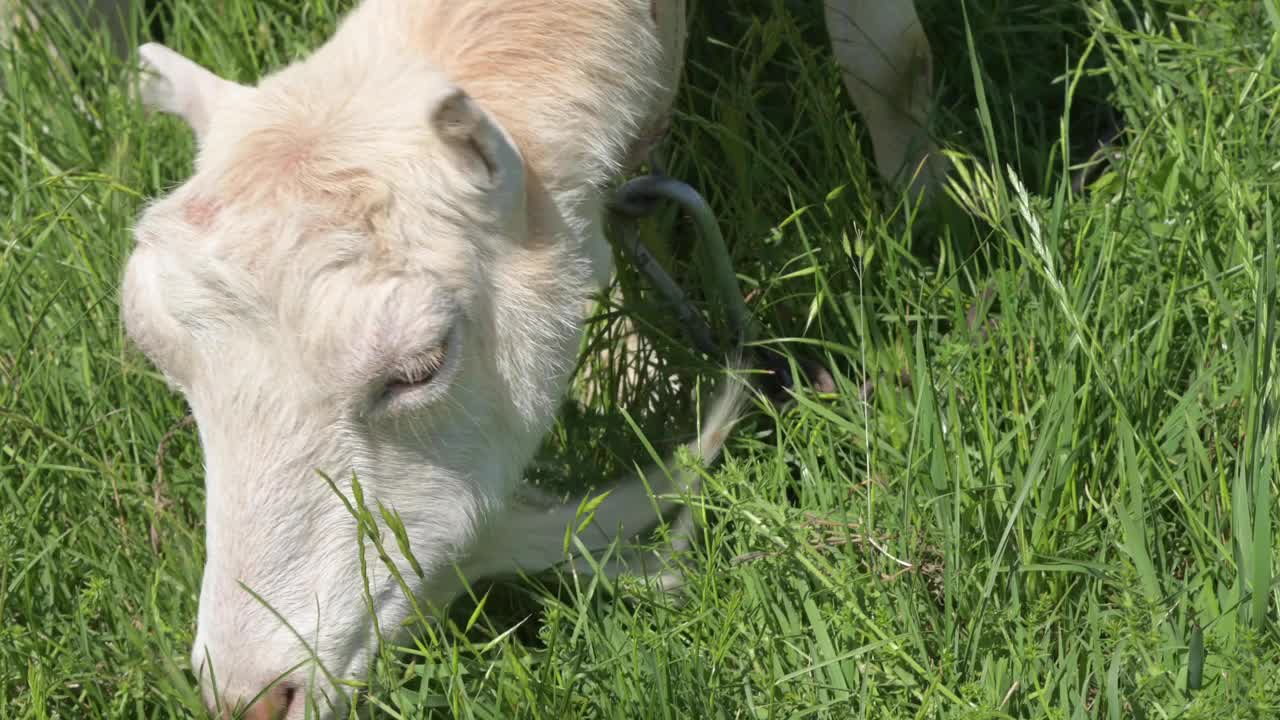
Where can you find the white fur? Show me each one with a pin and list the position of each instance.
(887, 67)
(428, 183)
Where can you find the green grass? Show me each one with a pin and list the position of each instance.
(1058, 499)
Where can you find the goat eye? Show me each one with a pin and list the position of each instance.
(416, 371)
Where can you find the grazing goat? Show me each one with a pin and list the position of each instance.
(379, 268)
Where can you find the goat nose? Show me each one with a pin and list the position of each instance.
(272, 704)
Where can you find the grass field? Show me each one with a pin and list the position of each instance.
(1045, 487)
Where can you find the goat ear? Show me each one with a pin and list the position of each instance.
(173, 84)
(475, 141)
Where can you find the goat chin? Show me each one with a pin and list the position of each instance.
(531, 537)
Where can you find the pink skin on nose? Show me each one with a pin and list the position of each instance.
(272, 705)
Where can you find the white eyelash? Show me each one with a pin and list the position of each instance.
(420, 369)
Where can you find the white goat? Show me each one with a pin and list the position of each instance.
(380, 268)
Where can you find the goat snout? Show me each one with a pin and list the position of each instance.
(276, 703)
